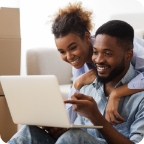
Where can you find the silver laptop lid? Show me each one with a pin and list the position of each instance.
(35, 100)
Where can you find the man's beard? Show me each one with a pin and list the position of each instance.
(113, 74)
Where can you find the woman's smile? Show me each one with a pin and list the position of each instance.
(75, 62)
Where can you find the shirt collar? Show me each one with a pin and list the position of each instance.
(131, 73)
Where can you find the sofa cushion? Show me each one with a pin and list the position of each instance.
(65, 89)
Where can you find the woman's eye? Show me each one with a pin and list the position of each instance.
(62, 52)
(74, 47)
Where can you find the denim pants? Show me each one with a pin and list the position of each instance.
(35, 135)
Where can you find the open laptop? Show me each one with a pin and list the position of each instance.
(36, 100)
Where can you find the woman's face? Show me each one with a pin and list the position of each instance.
(75, 50)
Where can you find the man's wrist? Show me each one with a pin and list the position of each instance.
(97, 119)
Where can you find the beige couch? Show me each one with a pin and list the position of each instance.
(46, 61)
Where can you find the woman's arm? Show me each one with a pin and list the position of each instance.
(85, 79)
(112, 115)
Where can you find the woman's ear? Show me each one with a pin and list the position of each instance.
(87, 37)
(129, 54)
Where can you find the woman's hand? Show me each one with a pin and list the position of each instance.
(84, 79)
(112, 115)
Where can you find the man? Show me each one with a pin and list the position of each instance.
(112, 52)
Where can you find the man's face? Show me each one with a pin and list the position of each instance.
(74, 50)
(109, 58)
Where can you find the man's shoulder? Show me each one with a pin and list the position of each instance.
(86, 89)
(131, 73)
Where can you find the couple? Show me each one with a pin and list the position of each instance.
(110, 58)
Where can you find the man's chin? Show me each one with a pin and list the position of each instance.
(102, 75)
(103, 79)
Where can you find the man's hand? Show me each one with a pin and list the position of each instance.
(84, 105)
(85, 79)
(54, 131)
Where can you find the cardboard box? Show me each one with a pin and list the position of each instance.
(10, 42)
(10, 55)
(7, 127)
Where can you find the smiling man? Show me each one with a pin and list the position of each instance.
(108, 58)
(112, 52)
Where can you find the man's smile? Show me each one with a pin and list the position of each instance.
(102, 69)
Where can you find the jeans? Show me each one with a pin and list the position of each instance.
(35, 135)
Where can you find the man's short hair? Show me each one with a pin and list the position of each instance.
(122, 31)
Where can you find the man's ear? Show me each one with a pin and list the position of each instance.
(87, 37)
(129, 55)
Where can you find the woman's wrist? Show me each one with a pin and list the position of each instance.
(77, 85)
(115, 94)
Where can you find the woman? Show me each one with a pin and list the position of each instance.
(71, 28)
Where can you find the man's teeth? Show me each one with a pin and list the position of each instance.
(75, 61)
(102, 68)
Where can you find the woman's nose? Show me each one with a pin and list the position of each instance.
(69, 55)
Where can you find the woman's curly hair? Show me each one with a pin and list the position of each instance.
(72, 19)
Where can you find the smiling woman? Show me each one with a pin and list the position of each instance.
(74, 50)
(71, 27)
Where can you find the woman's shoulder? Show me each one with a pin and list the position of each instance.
(138, 56)
(80, 71)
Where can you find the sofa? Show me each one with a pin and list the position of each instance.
(47, 61)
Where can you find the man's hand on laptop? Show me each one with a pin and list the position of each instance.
(54, 131)
(85, 106)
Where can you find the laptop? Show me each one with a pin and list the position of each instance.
(36, 100)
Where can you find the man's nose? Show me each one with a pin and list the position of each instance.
(99, 59)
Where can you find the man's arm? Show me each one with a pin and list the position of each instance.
(87, 107)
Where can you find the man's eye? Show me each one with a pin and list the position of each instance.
(95, 52)
(108, 54)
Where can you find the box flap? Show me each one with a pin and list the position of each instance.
(9, 23)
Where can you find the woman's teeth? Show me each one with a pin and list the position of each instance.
(74, 62)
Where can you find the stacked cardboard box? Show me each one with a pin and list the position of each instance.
(10, 54)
